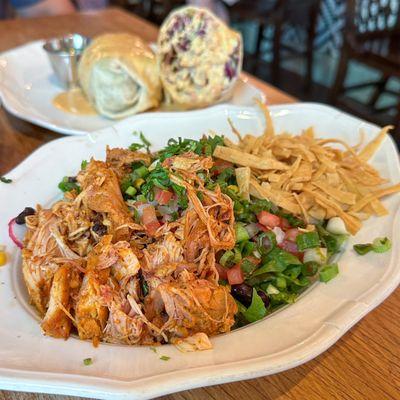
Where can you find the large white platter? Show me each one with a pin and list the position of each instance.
(31, 362)
(28, 86)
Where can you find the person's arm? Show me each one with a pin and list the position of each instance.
(39, 8)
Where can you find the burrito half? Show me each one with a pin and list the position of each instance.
(118, 73)
(199, 57)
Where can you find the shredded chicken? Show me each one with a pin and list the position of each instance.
(90, 268)
(101, 193)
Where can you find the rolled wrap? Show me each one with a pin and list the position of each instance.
(119, 75)
(199, 58)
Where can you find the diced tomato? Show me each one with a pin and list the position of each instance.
(285, 224)
(161, 196)
(220, 165)
(235, 275)
(291, 234)
(269, 220)
(222, 271)
(150, 220)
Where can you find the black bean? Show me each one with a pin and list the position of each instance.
(243, 293)
(72, 179)
(264, 297)
(99, 228)
(20, 220)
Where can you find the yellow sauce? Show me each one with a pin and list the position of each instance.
(74, 102)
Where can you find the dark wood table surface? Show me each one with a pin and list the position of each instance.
(363, 364)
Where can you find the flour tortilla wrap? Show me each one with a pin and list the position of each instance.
(118, 74)
(199, 58)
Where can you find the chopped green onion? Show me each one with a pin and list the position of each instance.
(84, 164)
(5, 180)
(328, 272)
(88, 361)
(381, 245)
(165, 358)
(153, 349)
(248, 248)
(141, 172)
(307, 240)
(131, 191)
(237, 255)
(362, 249)
(226, 257)
(241, 233)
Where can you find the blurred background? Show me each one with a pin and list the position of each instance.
(341, 52)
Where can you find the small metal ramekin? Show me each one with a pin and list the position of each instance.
(64, 54)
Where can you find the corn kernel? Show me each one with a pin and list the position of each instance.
(233, 188)
(3, 258)
(138, 183)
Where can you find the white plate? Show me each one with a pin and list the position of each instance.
(31, 362)
(28, 86)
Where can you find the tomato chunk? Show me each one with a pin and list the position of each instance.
(222, 271)
(269, 220)
(220, 165)
(161, 196)
(291, 234)
(285, 224)
(149, 220)
(235, 275)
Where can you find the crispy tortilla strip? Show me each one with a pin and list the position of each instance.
(369, 150)
(247, 160)
(230, 144)
(263, 192)
(375, 195)
(303, 210)
(352, 224)
(309, 133)
(339, 195)
(243, 180)
(269, 131)
(309, 176)
(234, 130)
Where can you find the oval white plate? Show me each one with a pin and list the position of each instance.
(28, 88)
(31, 362)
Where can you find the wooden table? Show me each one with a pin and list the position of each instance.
(364, 364)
